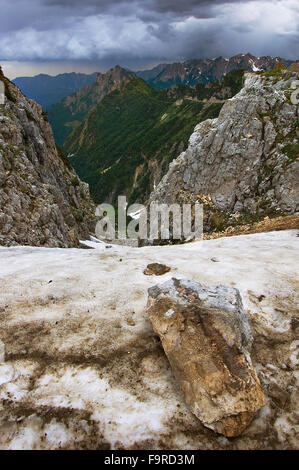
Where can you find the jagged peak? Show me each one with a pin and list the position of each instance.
(118, 68)
(117, 73)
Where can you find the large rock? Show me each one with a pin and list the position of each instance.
(206, 337)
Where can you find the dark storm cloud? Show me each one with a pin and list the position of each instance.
(140, 32)
(175, 6)
(184, 7)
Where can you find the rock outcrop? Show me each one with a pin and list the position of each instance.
(246, 160)
(42, 201)
(206, 337)
(294, 67)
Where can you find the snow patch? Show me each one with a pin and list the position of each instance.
(84, 343)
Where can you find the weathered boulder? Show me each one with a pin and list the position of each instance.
(206, 337)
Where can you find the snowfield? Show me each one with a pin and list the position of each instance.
(82, 368)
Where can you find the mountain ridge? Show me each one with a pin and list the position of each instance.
(195, 71)
(68, 113)
(43, 87)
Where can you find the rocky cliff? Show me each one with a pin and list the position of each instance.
(42, 201)
(245, 162)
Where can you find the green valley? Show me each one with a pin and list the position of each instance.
(126, 143)
(66, 115)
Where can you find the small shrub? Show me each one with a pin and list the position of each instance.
(218, 221)
(75, 182)
(29, 115)
(63, 157)
(45, 116)
(8, 93)
(292, 151)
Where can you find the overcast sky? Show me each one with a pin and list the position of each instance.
(54, 36)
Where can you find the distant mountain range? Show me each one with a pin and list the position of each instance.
(47, 90)
(196, 71)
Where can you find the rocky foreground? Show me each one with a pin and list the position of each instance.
(206, 336)
(82, 367)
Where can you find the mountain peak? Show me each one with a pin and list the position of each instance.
(74, 108)
(117, 73)
(117, 67)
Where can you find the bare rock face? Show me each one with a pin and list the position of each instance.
(206, 337)
(42, 201)
(246, 160)
(294, 67)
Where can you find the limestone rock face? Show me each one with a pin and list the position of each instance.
(42, 201)
(294, 67)
(244, 161)
(206, 337)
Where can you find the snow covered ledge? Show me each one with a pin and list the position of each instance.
(84, 369)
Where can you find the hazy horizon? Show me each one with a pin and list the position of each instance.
(30, 69)
(53, 69)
